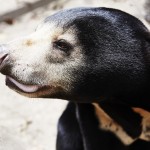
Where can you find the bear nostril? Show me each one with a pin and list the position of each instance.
(3, 54)
(3, 57)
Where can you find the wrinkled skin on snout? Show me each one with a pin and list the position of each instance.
(80, 54)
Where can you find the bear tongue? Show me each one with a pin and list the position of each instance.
(23, 87)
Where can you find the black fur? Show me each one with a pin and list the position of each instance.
(85, 134)
(116, 48)
(114, 75)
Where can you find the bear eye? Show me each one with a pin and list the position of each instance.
(62, 45)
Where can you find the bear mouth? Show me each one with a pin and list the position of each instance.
(16, 85)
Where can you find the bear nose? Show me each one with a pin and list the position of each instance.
(3, 55)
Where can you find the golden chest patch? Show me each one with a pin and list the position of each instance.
(107, 123)
(145, 134)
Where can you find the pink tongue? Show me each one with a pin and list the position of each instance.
(25, 88)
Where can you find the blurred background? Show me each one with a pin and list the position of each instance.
(31, 123)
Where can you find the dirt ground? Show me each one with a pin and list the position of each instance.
(31, 123)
